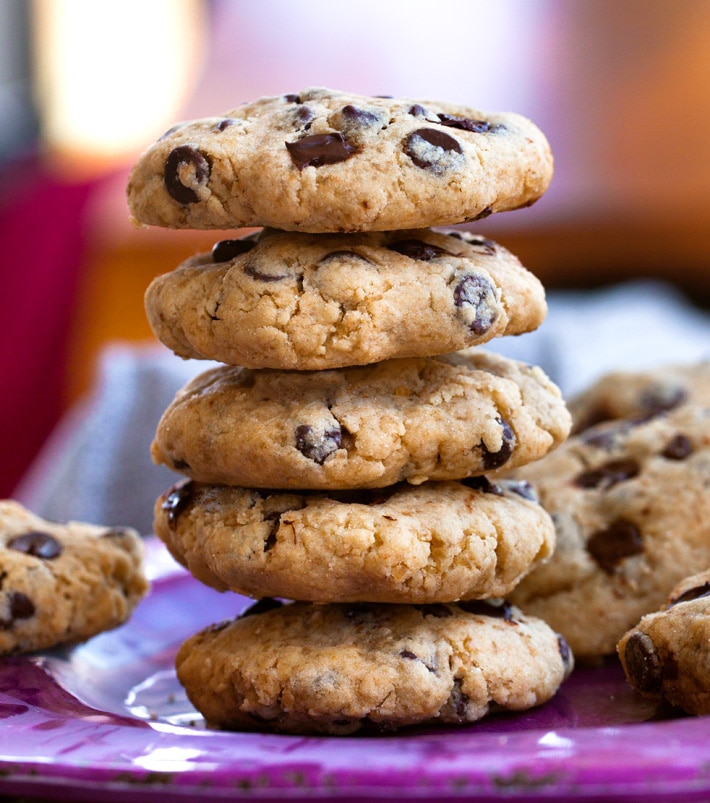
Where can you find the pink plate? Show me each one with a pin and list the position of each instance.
(108, 721)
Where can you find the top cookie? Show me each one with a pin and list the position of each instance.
(329, 161)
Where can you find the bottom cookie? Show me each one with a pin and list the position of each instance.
(667, 655)
(339, 668)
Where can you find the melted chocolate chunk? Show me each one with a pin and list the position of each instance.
(691, 594)
(177, 500)
(618, 541)
(492, 460)
(609, 474)
(317, 150)
(318, 447)
(418, 146)
(261, 606)
(475, 294)
(200, 168)
(643, 663)
(227, 250)
(482, 607)
(360, 117)
(678, 448)
(465, 124)
(37, 544)
(417, 249)
(20, 606)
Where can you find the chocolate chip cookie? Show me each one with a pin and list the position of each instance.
(414, 419)
(436, 542)
(642, 394)
(304, 668)
(299, 301)
(631, 504)
(329, 161)
(667, 654)
(63, 583)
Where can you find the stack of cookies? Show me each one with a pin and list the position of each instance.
(342, 464)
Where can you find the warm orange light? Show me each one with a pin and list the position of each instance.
(111, 76)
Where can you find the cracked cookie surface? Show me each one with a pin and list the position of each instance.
(298, 301)
(436, 542)
(63, 583)
(630, 503)
(667, 654)
(303, 668)
(329, 161)
(413, 419)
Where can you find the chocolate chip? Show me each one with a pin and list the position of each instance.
(678, 448)
(465, 124)
(320, 149)
(483, 484)
(417, 249)
(261, 606)
(306, 115)
(37, 544)
(177, 499)
(643, 664)
(186, 159)
(433, 150)
(691, 594)
(318, 446)
(492, 460)
(609, 474)
(360, 117)
(618, 541)
(521, 488)
(483, 244)
(487, 211)
(225, 123)
(227, 250)
(436, 609)
(457, 704)
(20, 606)
(476, 299)
(605, 436)
(661, 398)
(170, 131)
(250, 269)
(417, 110)
(292, 99)
(482, 607)
(565, 651)
(409, 655)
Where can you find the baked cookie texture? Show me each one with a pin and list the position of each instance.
(667, 654)
(336, 669)
(329, 161)
(631, 507)
(436, 542)
(641, 394)
(311, 302)
(63, 583)
(435, 418)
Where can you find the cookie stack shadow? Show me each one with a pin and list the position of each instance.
(344, 465)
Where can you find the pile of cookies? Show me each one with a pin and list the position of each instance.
(347, 452)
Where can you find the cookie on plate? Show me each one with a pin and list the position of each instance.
(298, 301)
(63, 583)
(631, 504)
(304, 668)
(667, 654)
(436, 542)
(642, 394)
(329, 161)
(414, 419)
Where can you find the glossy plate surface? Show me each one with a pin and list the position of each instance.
(108, 721)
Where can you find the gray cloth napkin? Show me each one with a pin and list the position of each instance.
(97, 468)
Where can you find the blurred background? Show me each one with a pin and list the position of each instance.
(621, 88)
